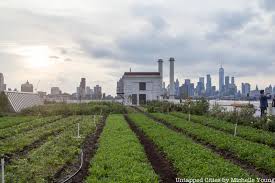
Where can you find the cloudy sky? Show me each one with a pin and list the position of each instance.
(60, 41)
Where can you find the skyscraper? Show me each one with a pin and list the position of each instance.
(221, 80)
(201, 79)
(232, 80)
(226, 85)
(82, 88)
(2, 84)
(208, 85)
(245, 89)
(177, 88)
(97, 92)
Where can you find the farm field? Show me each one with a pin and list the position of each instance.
(116, 146)
(246, 132)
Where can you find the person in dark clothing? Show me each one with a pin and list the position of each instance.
(263, 103)
(273, 101)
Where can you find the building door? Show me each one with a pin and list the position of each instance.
(134, 99)
(142, 99)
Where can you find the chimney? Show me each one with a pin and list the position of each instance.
(160, 70)
(172, 80)
(160, 62)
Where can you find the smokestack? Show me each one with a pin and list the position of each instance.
(172, 80)
(160, 62)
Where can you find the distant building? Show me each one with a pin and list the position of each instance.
(200, 89)
(89, 92)
(213, 91)
(268, 90)
(221, 80)
(55, 91)
(140, 87)
(97, 92)
(246, 88)
(273, 91)
(201, 79)
(27, 87)
(233, 80)
(42, 94)
(177, 88)
(19, 101)
(187, 89)
(2, 83)
(82, 89)
(208, 86)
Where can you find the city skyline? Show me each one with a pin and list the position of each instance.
(58, 43)
(205, 83)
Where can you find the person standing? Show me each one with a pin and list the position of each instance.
(273, 106)
(263, 103)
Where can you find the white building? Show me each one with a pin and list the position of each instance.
(136, 88)
(139, 87)
(21, 100)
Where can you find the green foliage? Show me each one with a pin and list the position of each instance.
(190, 159)
(18, 142)
(43, 163)
(120, 157)
(246, 132)
(4, 103)
(6, 122)
(93, 108)
(261, 156)
(27, 126)
(195, 107)
(244, 116)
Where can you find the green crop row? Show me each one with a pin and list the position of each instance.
(41, 164)
(246, 132)
(259, 155)
(17, 142)
(92, 108)
(120, 157)
(6, 122)
(190, 159)
(24, 127)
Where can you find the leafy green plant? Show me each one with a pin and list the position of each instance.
(261, 156)
(6, 122)
(190, 159)
(93, 108)
(120, 157)
(246, 132)
(41, 164)
(19, 141)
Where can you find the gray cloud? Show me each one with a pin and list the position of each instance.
(268, 5)
(135, 35)
(229, 22)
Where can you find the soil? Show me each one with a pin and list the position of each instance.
(160, 164)
(89, 149)
(223, 153)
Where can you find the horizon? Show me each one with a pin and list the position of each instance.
(60, 42)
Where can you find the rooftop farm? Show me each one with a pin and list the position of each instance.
(108, 142)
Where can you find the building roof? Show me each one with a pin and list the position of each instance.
(142, 74)
(22, 100)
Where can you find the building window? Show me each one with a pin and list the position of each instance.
(142, 86)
